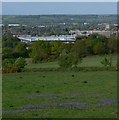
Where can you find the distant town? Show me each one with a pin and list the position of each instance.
(69, 37)
(60, 26)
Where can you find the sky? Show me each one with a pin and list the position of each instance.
(59, 0)
(37, 8)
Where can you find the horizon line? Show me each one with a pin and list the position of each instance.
(59, 14)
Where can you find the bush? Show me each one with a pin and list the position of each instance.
(11, 66)
(7, 63)
(20, 63)
(65, 60)
(106, 62)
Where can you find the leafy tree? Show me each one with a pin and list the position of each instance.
(7, 53)
(75, 55)
(21, 50)
(80, 48)
(40, 51)
(65, 60)
(9, 41)
(98, 48)
(96, 44)
(89, 46)
(112, 44)
(67, 47)
(56, 48)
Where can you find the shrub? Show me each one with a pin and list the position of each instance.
(105, 62)
(20, 63)
(7, 63)
(65, 60)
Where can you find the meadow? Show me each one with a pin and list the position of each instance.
(60, 95)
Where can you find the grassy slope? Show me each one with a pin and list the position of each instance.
(18, 87)
(87, 61)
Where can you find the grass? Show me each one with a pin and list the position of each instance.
(44, 65)
(48, 88)
(89, 61)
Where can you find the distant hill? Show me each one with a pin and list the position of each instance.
(58, 19)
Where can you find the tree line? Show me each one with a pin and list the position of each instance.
(68, 54)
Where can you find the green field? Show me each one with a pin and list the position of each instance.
(60, 95)
(90, 61)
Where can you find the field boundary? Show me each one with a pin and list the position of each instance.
(71, 69)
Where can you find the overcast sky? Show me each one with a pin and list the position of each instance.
(59, 0)
(36, 8)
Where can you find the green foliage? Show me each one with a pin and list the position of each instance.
(7, 63)
(89, 46)
(96, 44)
(76, 53)
(21, 50)
(13, 48)
(65, 60)
(20, 62)
(12, 65)
(68, 47)
(40, 51)
(98, 48)
(9, 41)
(112, 44)
(80, 48)
(56, 48)
(7, 53)
(105, 62)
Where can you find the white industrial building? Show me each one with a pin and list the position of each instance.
(13, 25)
(53, 38)
(65, 38)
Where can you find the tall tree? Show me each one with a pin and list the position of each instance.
(40, 51)
(98, 48)
(21, 50)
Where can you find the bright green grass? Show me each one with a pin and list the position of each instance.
(86, 62)
(96, 61)
(18, 87)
